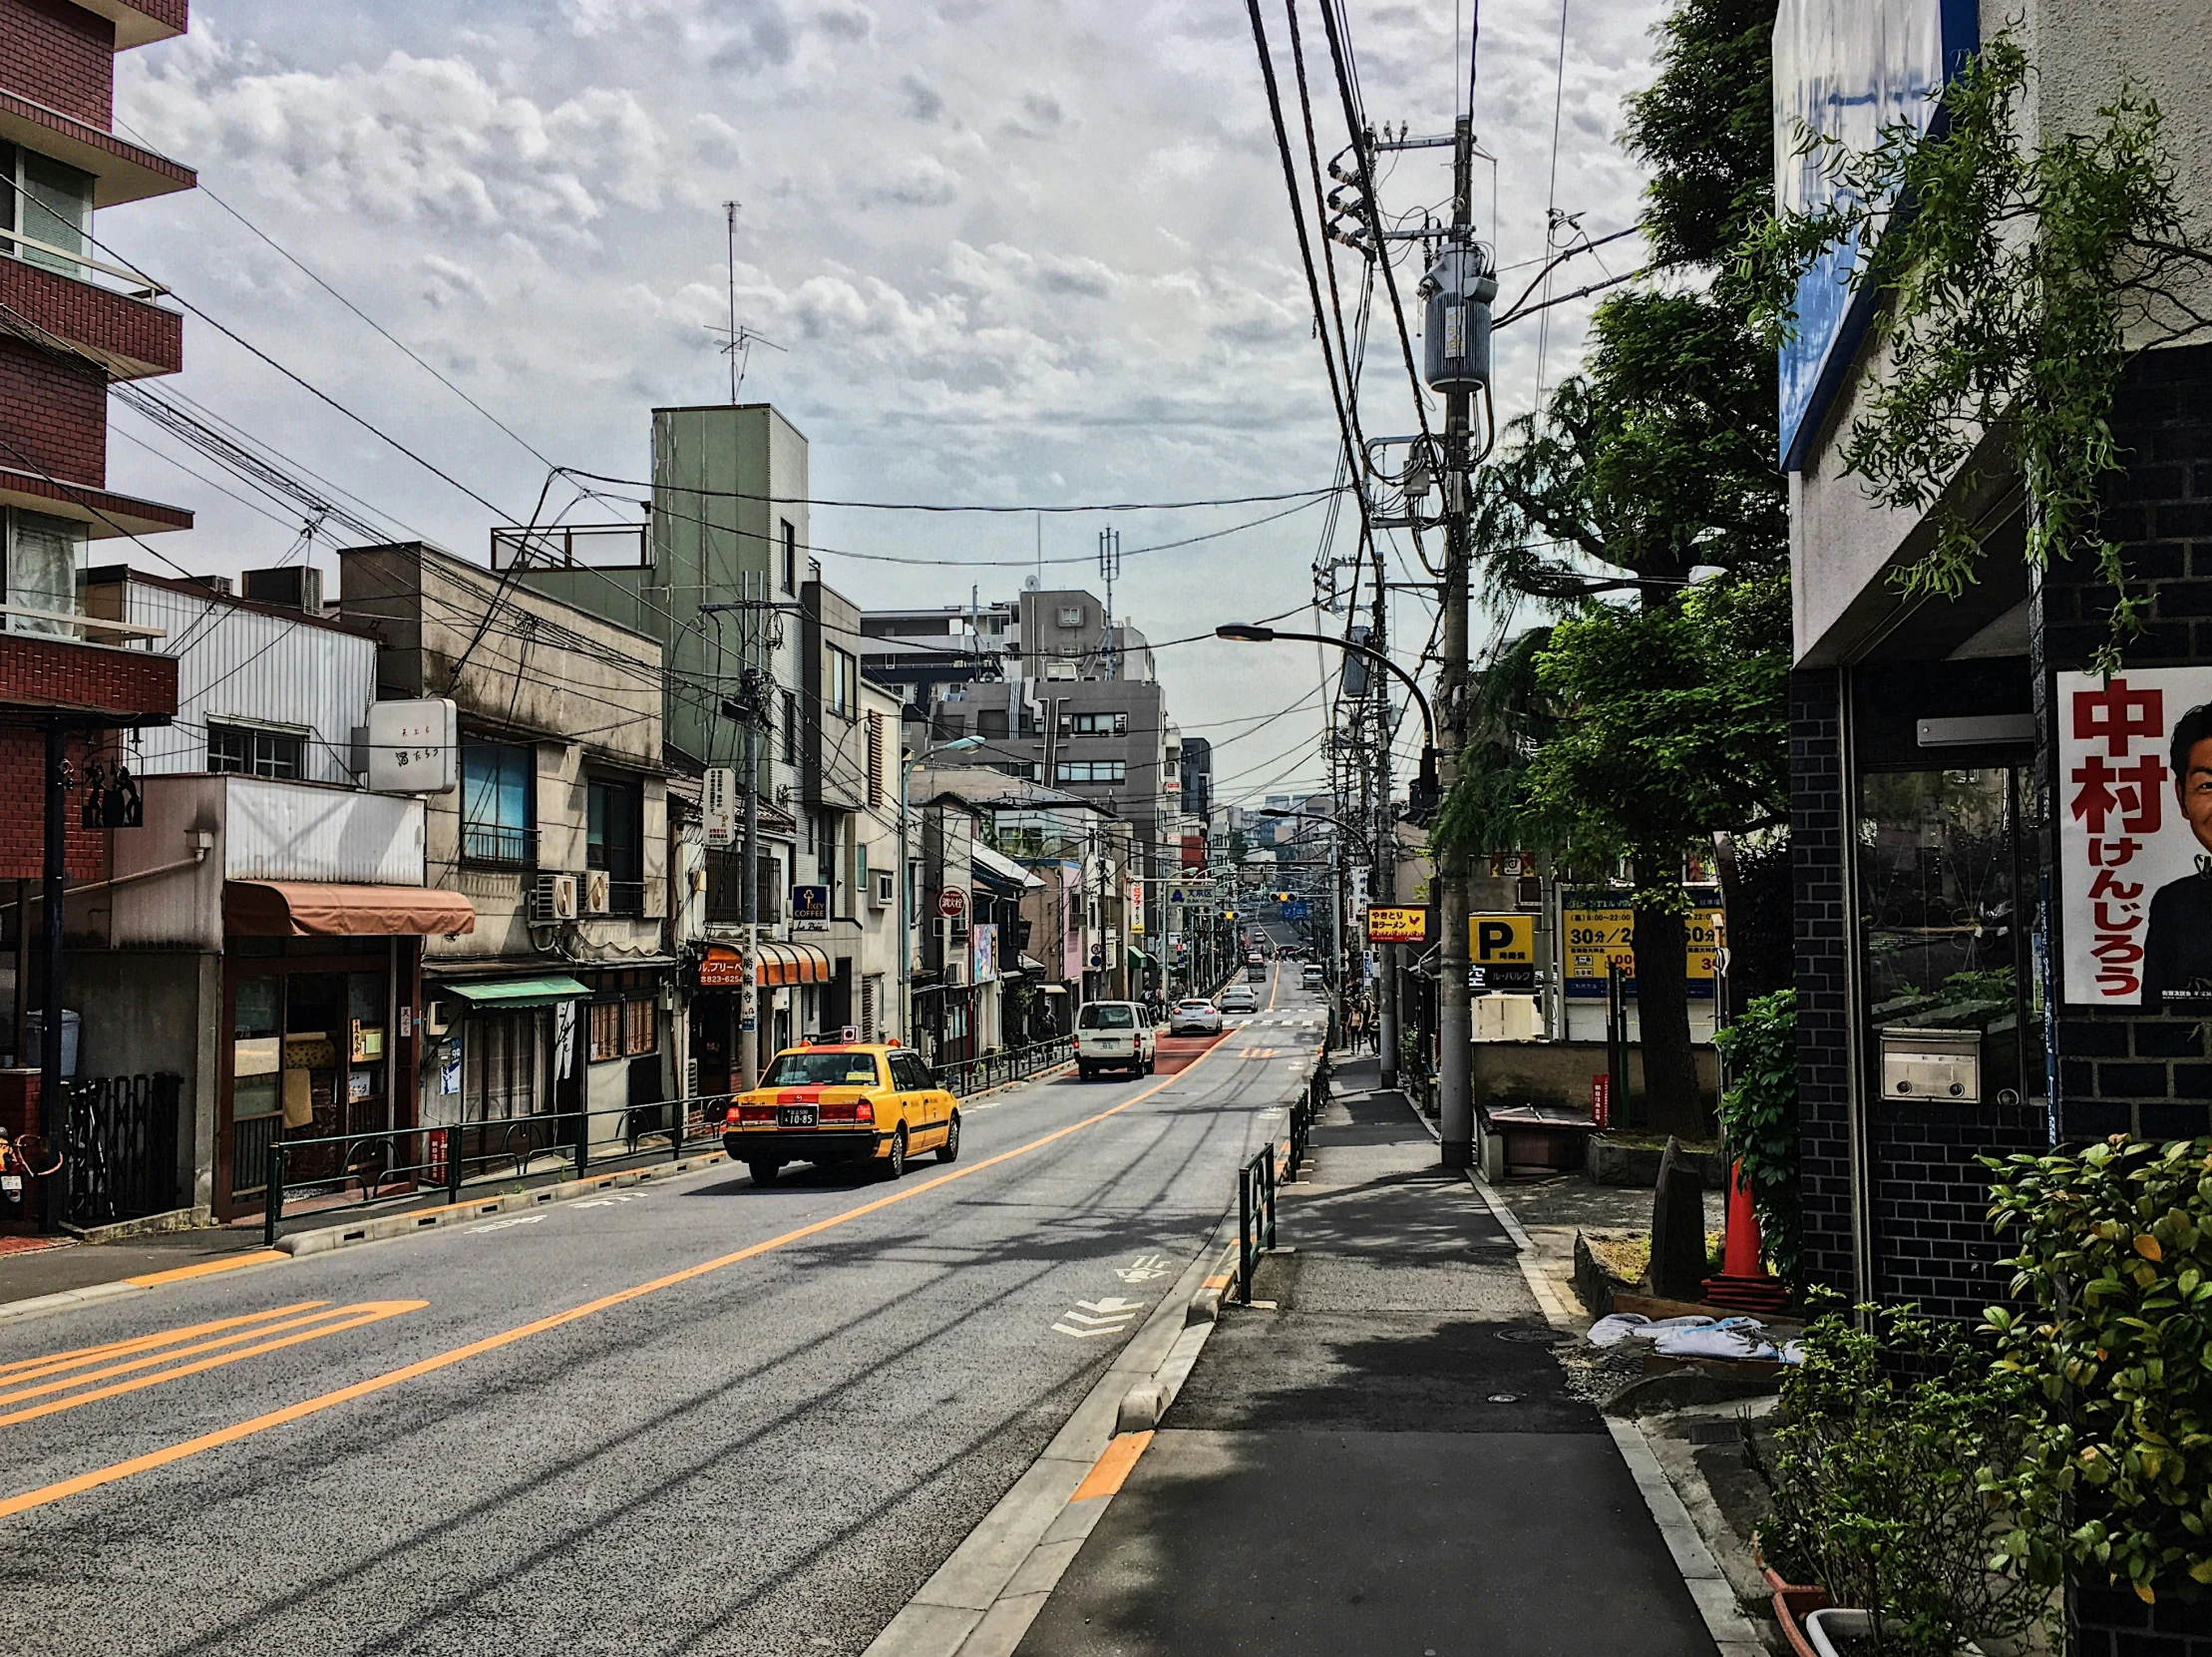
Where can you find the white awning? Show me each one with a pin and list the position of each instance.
(1005, 868)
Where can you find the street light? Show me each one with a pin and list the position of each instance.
(1427, 785)
(958, 744)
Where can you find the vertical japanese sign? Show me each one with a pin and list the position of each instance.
(2136, 838)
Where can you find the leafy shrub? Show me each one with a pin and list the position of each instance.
(2115, 1257)
(1758, 1111)
(1880, 1494)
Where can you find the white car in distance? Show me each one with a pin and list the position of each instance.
(1195, 1016)
(1239, 998)
(1113, 1035)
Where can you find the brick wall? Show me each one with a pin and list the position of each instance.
(59, 55)
(53, 414)
(83, 315)
(1823, 1033)
(23, 824)
(2120, 1071)
(2110, 1622)
(42, 672)
(1932, 1245)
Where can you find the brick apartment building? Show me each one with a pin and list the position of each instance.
(71, 321)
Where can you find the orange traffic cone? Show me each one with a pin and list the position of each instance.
(1744, 1283)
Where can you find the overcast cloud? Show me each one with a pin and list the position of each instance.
(1013, 250)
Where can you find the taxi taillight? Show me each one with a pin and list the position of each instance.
(756, 1112)
(856, 1110)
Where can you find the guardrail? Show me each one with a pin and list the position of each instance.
(1255, 1215)
(394, 1164)
(963, 1077)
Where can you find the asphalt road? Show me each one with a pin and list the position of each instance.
(705, 1419)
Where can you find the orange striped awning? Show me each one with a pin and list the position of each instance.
(780, 964)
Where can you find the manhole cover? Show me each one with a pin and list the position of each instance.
(1505, 1398)
(1715, 1432)
(1528, 1336)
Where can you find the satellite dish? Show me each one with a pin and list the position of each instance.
(1030, 583)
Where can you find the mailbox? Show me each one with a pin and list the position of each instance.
(1939, 1065)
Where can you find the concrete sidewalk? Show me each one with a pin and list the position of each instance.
(1388, 1460)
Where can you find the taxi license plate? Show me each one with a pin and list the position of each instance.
(795, 1115)
(11, 1185)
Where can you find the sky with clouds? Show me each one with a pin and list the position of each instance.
(1012, 252)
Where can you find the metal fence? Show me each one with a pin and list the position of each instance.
(1255, 1215)
(122, 1149)
(963, 1077)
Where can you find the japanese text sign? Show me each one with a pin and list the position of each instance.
(2135, 837)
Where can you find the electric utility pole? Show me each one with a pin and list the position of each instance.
(1383, 865)
(1455, 1020)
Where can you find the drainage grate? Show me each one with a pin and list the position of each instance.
(1715, 1432)
(1528, 1336)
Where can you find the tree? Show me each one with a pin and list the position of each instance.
(1663, 721)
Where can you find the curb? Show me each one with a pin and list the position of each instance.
(983, 1599)
(382, 1227)
(60, 1301)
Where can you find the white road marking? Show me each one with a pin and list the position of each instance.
(1112, 1316)
(1144, 1268)
(502, 1225)
(610, 1202)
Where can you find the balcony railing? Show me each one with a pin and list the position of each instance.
(496, 846)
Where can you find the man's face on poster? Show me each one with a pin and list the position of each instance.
(2194, 786)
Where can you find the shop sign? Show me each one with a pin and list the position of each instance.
(1394, 924)
(718, 806)
(1511, 865)
(1136, 909)
(2136, 838)
(414, 746)
(449, 1068)
(810, 909)
(1592, 935)
(983, 955)
(951, 903)
(1502, 951)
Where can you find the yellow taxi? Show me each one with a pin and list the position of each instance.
(839, 1103)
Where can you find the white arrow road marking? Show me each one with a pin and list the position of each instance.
(1144, 1268)
(1112, 1304)
(610, 1202)
(1090, 1322)
(502, 1225)
(1112, 1315)
(1086, 1334)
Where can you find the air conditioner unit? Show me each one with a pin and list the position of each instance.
(595, 892)
(554, 898)
(956, 973)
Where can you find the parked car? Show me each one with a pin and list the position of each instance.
(1113, 1035)
(842, 1104)
(1239, 998)
(1197, 1015)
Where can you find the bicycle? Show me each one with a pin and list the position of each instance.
(28, 1157)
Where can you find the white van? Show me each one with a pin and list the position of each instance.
(1113, 1035)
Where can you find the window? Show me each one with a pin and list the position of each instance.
(874, 795)
(613, 830)
(1031, 769)
(606, 1029)
(495, 803)
(1092, 770)
(1094, 724)
(255, 753)
(43, 557)
(791, 728)
(1108, 1016)
(908, 1074)
(840, 686)
(821, 1069)
(1071, 615)
(640, 1025)
(55, 211)
(991, 721)
(791, 558)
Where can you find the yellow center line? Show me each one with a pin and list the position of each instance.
(336, 1322)
(46, 1494)
(30, 1369)
(15, 1391)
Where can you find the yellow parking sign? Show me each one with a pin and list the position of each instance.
(1501, 940)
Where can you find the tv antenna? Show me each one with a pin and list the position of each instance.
(738, 339)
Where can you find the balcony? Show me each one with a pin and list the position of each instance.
(122, 171)
(139, 22)
(104, 310)
(113, 686)
(497, 846)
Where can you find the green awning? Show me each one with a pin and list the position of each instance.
(1136, 954)
(518, 992)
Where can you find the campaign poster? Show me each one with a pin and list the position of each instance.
(2135, 839)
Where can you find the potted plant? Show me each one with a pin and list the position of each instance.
(1880, 1480)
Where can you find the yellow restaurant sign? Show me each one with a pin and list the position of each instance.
(1388, 924)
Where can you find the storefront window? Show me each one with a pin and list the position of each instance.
(1948, 911)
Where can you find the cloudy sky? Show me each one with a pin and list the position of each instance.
(1014, 251)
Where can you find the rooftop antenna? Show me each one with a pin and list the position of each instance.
(1109, 566)
(738, 341)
